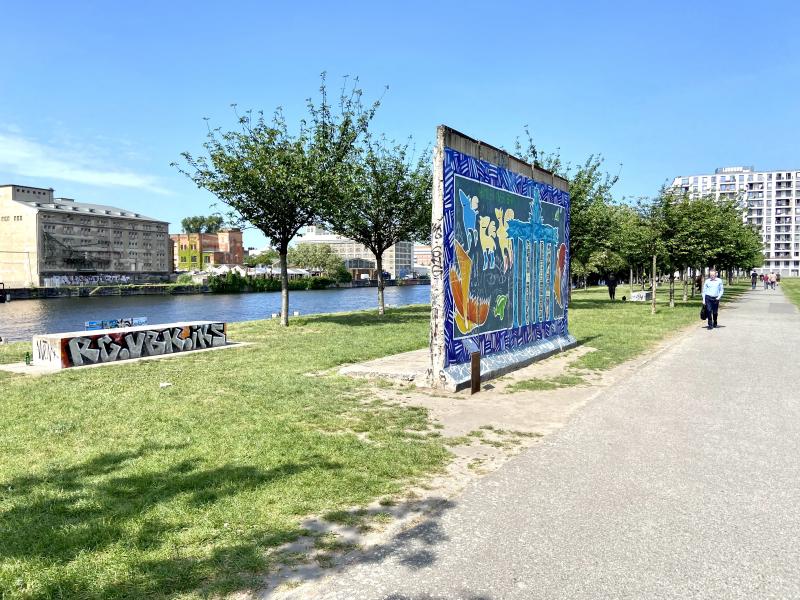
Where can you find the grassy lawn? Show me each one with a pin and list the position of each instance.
(791, 287)
(112, 487)
(621, 330)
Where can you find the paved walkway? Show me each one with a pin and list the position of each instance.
(682, 482)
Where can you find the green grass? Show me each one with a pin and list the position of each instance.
(791, 287)
(621, 330)
(553, 383)
(111, 487)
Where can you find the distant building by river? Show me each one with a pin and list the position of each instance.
(398, 260)
(201, 251)
(46, 240)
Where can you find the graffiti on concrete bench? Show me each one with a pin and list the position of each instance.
(78, 349)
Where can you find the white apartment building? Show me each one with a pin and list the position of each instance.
(398, 260)
(770, 202)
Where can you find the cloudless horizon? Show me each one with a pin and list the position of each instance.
(96, 100)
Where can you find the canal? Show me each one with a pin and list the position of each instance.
(21, 319)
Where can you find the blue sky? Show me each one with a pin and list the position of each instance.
(96, 99)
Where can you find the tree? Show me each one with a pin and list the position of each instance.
(390, 198)
(200, 224)
(278, 180)
(631, 237)
(318, 257)
(590, 195)
(266, 257)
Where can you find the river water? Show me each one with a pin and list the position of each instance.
(21, 319)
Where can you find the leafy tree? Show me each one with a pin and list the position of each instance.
(201, 224)
(319, 257)
(389, 199)
(264, 258)
(590, 196)
(631, 237)
(279, 180)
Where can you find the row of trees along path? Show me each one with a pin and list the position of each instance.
(671, 232)
(332, 169)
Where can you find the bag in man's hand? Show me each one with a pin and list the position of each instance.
(703, 313)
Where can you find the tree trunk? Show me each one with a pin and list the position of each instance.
(379, 265)
(685, 283)
(653, 305)
(672, 289)
(284, 287)
(701, 274)
(630, 282)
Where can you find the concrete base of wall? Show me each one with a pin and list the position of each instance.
(413, 367)
(495, 365)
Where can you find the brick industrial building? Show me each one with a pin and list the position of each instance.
(198, 251)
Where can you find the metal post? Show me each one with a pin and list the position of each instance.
(475, 373)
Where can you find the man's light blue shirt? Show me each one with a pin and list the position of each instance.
(713, 288)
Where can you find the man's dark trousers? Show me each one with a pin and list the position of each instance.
(712, 306)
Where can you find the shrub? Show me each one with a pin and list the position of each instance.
(233, 283)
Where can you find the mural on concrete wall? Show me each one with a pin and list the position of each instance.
(506, 258)
(71, 350)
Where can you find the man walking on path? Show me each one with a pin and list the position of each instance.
(712, 292)
(753, 279)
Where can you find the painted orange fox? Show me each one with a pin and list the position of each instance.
(469, 312)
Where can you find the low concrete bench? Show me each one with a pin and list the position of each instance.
(641, 296)
(80, 348)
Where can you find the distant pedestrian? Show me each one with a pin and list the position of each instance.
(753, 280)
(765, 280)
(612, 286)
(772, 280)
(712, 292)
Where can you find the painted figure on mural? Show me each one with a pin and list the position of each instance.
(469, 217)
(503, 241)
(488, 233)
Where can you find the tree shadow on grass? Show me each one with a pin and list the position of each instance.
(109, 507)
(367, 318)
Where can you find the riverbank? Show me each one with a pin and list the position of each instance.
(168, 289)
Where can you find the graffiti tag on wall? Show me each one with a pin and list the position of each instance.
(126, 344)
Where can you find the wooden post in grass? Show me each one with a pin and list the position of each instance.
(653, 305)
(475, 372)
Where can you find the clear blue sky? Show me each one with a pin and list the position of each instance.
(97, 98)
